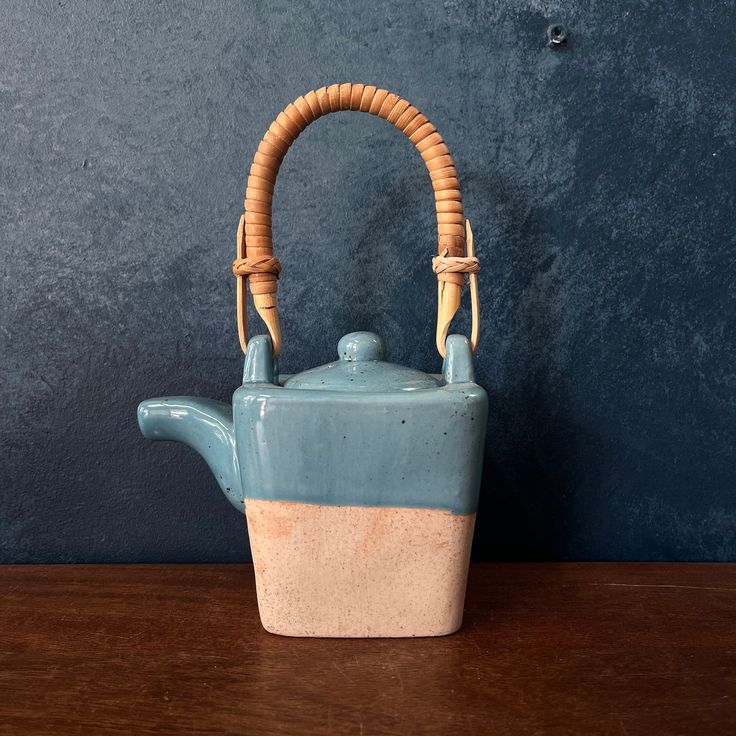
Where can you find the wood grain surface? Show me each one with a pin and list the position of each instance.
(545, 649)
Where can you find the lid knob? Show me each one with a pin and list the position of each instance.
(360, 346)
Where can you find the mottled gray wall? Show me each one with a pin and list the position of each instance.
(600, 181)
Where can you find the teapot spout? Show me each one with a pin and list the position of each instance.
(203, 424)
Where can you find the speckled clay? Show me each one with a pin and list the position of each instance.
(359, 571)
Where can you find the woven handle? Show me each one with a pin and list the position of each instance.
(255, 259)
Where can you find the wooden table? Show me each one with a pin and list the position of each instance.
(589, 649)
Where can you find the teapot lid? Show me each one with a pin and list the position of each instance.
(361, 368)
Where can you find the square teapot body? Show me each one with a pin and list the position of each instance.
(361, 504)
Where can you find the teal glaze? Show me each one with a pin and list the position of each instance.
(359, 431)
(206, 426)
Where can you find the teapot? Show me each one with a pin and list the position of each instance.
(359, 479)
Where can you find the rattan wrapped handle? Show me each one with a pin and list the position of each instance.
(255, 260)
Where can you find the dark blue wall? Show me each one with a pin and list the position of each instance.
(600, 181)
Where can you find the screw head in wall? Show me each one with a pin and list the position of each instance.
(557, 34)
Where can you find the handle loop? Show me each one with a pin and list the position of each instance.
(255, 261)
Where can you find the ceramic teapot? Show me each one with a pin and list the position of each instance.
(359, 479)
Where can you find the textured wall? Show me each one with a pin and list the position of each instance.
(600, 181)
